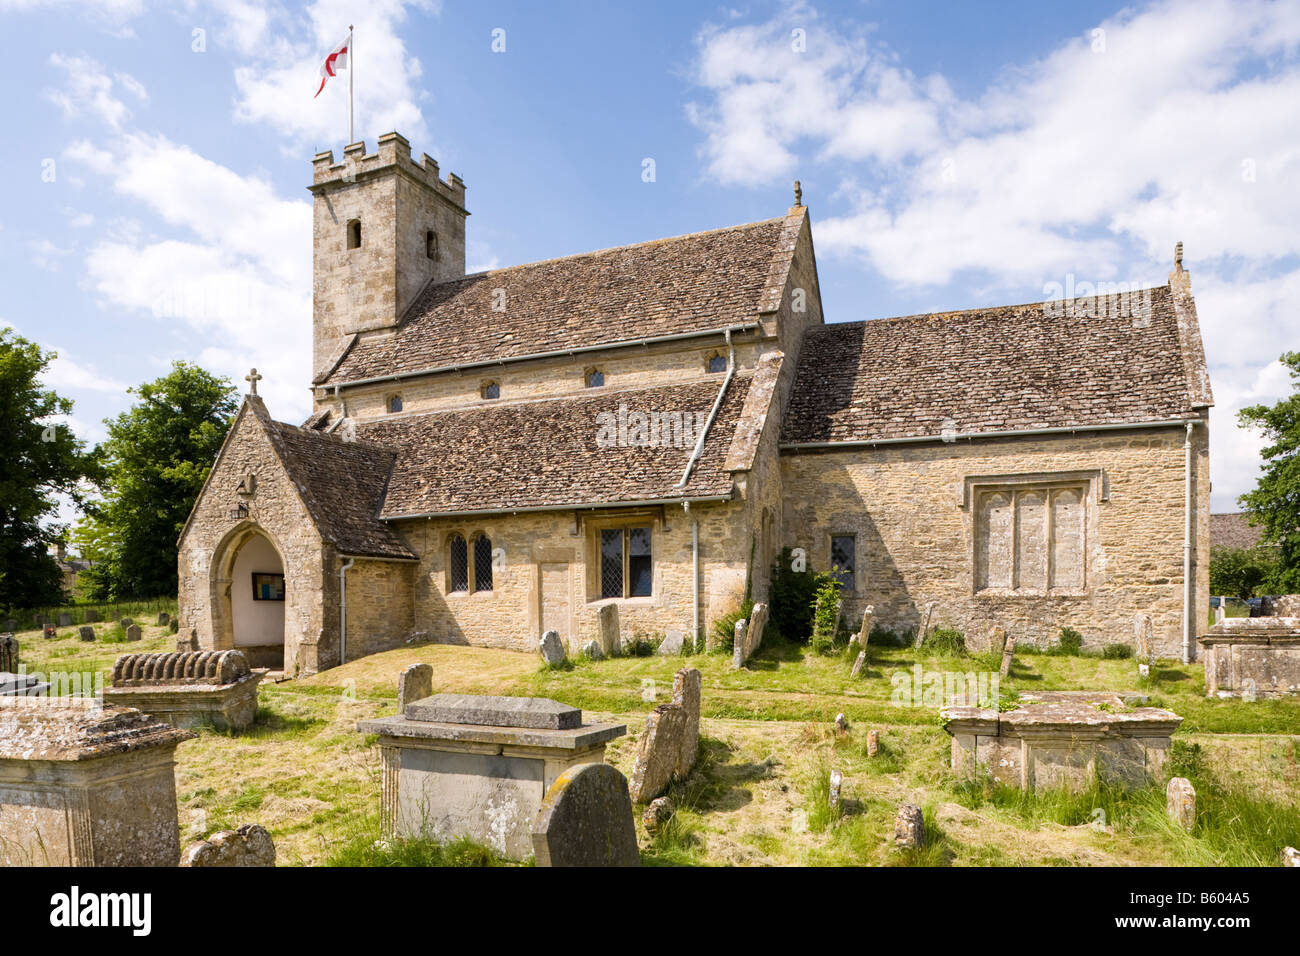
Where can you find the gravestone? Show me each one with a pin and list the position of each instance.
(752, 637)
(49, 633)
(1142, 638)
(22, 685)
(925, 624)
(125, 623)
(657, 814)
(998, 639)
(41, 621)
(858, 664)
(909, 827)
(739, 639)
(672, 644)
(586, 820)
(658, 752)
(1008, 652)
(11, 625)
(65, 620)
(591, 650)
(188, 689)
(414, 683)
(686, 694)
(837, 782)
(86, 632)
(249, 845)
(608, 634)
(163, 619)
(873, 742)
(552, 649)
(92, 616)
(464, 765)
(8, 654)
(82, 785)
(133, 632)
(841, 724)
(1180, 802)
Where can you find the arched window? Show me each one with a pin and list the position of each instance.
(482, 563)
(431, 244)
(490, 390)
(395, 403)
(458, 565)
(717, 362)
(354, 234)
(595, 378)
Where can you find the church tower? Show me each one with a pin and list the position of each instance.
(383, 226)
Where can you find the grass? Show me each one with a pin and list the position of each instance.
(767, 748)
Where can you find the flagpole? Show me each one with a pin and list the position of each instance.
(352, 69)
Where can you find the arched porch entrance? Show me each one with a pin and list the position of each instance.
(249, 597)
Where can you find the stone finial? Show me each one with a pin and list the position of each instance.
(252, 378)
(798, 193)
(1178, 256)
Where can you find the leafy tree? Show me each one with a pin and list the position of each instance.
(39, 460)
(1243, 572)
(1275, 503)
(157, 455)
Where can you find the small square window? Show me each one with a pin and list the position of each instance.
(490, 390)
(595, 378)
(395, 403)
(844, 560)
(717, 362)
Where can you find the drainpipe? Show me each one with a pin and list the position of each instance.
(695, 577)
(713, 413)
(343, 610)
(1188, 596)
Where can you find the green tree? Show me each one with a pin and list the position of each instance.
(157, 455)
(1274, 505)
(1242, 572)
(39, 460)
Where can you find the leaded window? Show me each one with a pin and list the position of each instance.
(844, 560)
(458, 566)
(626, 564)
(482, 563)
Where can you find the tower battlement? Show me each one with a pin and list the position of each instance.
(393, 151)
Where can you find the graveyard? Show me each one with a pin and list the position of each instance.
(778, 779)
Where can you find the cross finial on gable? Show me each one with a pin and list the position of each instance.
(252, 378)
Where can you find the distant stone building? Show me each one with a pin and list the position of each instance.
(1233, 529)
(496, 455)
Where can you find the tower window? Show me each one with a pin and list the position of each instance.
(717, 362)
(354, 234)
(431, 244)
(395, 403)
(595, 378)
(490, 390)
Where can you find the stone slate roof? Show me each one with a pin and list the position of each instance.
(995, 369)
(694, 283)
(342, 484)
(542, 454)
(1231, 530)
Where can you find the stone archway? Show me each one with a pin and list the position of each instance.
(249, 596)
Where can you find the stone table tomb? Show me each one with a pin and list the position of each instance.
(188, 689)
(477, 766)
(1252, 656)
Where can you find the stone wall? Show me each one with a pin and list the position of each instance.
(381, 605)
(910, 508)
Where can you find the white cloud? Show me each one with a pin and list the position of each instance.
(114, 16)
(277, 86)
(1086, 162)
(89, 91)
(44, 254)
(89, 155)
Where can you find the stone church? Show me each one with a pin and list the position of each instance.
(495, 455)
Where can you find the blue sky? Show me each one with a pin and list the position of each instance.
(952, 156)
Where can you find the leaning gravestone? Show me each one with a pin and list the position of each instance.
(250, 845)
(92, 616)
(552, 649)
(86, 632)
(608, 635)
(133, 632)
(658, 752)
(586, 820)
(8, 654)
(1008, 652)
(864, 635)
(671, 645)
(414, 683)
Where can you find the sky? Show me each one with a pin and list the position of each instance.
(952, 156)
